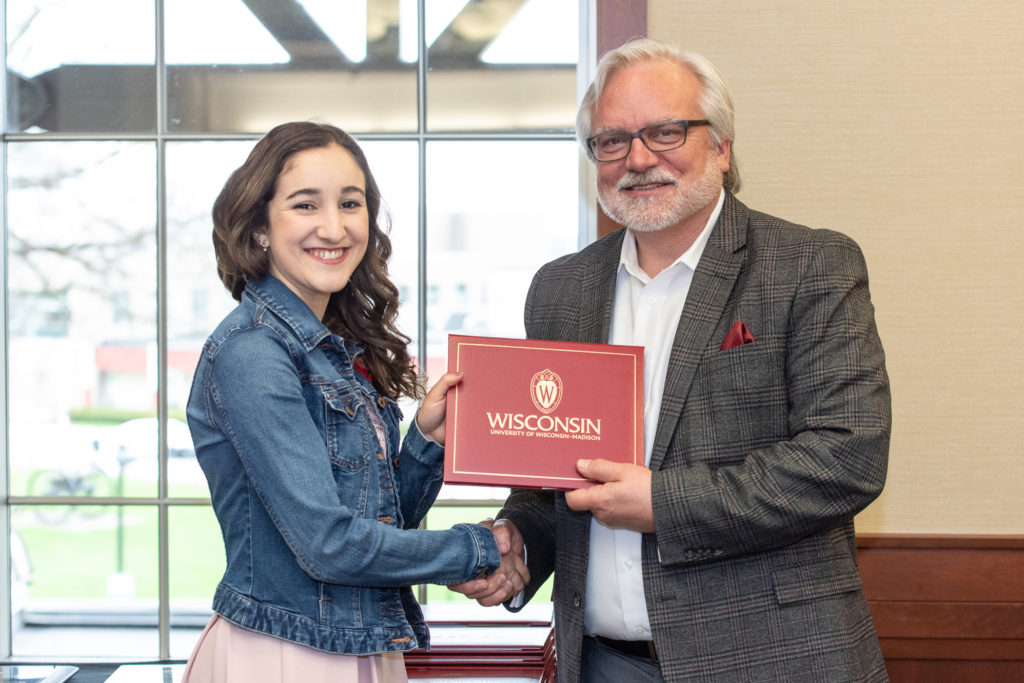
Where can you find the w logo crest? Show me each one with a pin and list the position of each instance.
(546, 390)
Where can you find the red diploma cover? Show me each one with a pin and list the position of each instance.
(527, 410)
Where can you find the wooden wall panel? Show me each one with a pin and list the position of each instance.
(953, 672)
(619, 21)
(947, 608)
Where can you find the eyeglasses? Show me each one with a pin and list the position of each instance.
(660, 137)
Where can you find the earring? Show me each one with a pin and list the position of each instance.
(263, 242)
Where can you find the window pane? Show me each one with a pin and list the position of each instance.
(196, 298)
(489, 232)
(84, 581)
(82, 318)
(487, 235)
(309, 59)
(69, 72)
(498, 65)
(196, 567)
(394, 166)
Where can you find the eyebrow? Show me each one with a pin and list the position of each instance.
(611, 129)
(316, 192)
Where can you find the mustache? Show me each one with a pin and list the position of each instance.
(632, 179)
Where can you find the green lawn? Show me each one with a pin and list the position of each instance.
(75, 559)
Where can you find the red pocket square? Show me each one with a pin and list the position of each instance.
(738, 336)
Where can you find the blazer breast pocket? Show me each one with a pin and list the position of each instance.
(747, 365)
(745, 372)
(746, 389)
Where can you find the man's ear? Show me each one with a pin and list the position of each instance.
(724, 155)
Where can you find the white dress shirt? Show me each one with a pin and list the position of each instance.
(646, 313)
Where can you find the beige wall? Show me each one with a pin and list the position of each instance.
(901, 124)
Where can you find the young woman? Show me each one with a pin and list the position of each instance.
(295, 422)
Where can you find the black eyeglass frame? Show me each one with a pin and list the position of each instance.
(686, 123)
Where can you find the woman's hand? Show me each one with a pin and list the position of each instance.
(430, 418)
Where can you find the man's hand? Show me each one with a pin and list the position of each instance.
(623, 498)
(511, 576)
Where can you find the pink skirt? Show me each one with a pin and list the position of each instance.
(227, 653)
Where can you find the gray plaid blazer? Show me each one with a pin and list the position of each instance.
(762, 456)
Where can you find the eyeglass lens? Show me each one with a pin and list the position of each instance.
(658, 138)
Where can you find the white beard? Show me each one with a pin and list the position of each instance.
(650, 214)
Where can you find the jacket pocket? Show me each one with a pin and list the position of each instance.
(746, 389)
(345, 427)
(831, 576)
(740, 368)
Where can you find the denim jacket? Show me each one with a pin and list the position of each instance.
(319, 523)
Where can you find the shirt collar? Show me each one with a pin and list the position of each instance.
(689, 258)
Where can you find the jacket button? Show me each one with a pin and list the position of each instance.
(576, 600)
(395, 462)
(387, 519)
(382, 402)
(380, 456)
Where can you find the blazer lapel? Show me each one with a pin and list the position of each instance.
(598, 295)
(713, 281)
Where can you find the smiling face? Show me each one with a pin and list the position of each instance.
(648, 191)
(318, 224)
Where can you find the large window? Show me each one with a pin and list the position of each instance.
(123, 119)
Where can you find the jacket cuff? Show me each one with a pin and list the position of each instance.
(420, 445)
(488, 557)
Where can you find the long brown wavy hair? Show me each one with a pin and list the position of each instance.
(366, 309)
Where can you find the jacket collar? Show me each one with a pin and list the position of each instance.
(275, 296)
(730, 233)
(713, 282)
(598, 289)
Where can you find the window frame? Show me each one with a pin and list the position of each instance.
(602, 23)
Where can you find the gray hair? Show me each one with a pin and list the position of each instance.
(715, 101)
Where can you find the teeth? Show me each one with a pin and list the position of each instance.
(327, 253)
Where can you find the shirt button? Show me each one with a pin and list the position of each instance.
(640, 630)
(628, 564)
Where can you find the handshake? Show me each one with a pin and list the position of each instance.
(621, 500)
(511, 576)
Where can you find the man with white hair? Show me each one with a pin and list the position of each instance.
(729, 556)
